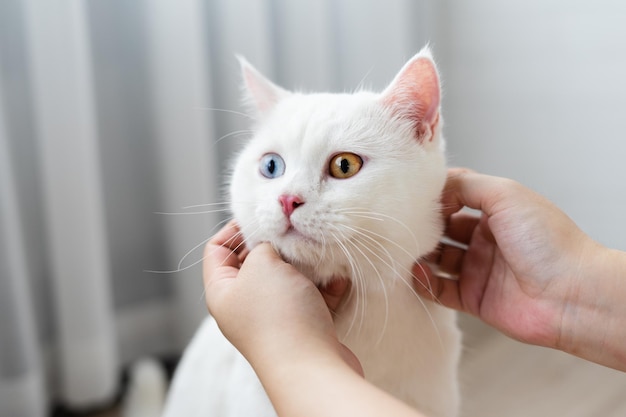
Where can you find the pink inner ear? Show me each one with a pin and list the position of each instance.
(261, 92)
(414, 94)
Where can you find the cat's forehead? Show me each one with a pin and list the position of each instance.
(325, 104)
(320, 120)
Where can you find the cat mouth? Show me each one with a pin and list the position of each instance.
(292, 232)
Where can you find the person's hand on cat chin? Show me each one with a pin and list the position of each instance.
(528, 270)
(265, 307)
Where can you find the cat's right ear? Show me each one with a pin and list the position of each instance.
(259, 92)
(415, 94)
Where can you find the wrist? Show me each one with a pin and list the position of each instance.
(323, 383)
(301, 375)
(278, 354)
(593, 318)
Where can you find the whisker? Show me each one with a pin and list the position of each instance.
(238, 113)
(361, 85)
(226, 208)
(234, 133)
(429, 287)
(224, 203)
(179, 267)
(243, 242)
(190, 251)
(386, 239)
(372, 215)
(365, 216)
(402, 280)
(174, 271)
(426, 287)
(380, 279)
(163, 213)
(323, 254)
(357, 288)
(201, 243)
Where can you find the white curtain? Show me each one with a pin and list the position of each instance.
(113, 111)
(22, 385)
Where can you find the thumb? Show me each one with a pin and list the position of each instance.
(263, 259)
(264, 252)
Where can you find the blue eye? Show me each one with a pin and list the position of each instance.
(272, 165)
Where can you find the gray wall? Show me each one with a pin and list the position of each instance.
(536, 91)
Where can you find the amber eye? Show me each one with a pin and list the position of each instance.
(345, 165)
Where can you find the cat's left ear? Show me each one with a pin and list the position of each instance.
(260, 92)
(415, 95)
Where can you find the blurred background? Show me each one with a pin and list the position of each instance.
(113, 112)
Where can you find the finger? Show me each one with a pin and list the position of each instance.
(220, 259)
(264, 257)
(441, 290)
(264, 252)
(433, 257)
(478, 191)
(220, 249)
(451, 260)
(450, 202)
(231, 237)
(460, 227)
(218, 262)
(423, 277)
(334, 292)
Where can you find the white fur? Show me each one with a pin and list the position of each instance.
(370, 227)
(146, 389)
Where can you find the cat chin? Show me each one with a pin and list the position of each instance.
(306, 260)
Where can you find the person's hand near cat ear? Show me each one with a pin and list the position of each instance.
(529, 270)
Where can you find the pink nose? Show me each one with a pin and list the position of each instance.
(290, 203)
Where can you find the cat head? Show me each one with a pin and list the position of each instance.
(343, 183)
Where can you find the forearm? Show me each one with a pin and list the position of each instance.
(594, 326)
(323, 385)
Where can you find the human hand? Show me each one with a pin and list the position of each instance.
(265, 307)
(526, 262)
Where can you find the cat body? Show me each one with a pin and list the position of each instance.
(343, 186)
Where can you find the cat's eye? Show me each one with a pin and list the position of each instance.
(345, 165)
(272, 165)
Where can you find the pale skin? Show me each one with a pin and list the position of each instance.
(528, 271)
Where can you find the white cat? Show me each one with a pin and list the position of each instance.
(343, 185)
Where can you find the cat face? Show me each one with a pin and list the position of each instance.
(343, 183)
